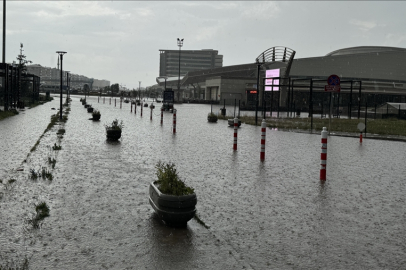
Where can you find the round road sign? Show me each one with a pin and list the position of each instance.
(333, 80)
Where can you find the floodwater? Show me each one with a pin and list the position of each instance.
(274, 214)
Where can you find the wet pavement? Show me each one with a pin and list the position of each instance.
(261, 215)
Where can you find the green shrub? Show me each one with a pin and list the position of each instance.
(56, 147)
(34, 174)
(115, 125)
(169, 182)
(42, 211)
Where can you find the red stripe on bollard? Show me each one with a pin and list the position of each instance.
(360, 138)
(131, 107)
(135, 108)
(323, 155)
(115, 102)
(142, 105)
(150, 118)
(162, 116)
(235, 134)
(263, 138)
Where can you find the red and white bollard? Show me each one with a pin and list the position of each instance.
(263, 137)
(150, 117)
(323, 156)
(135, 108)
(142, 105)
(131, 107)
(98, 99)
(121, 103)
(360, 137)
(115, 103)
(174, 121)
(162, 116)
(235, 133)
(104, 99)
(110, 102)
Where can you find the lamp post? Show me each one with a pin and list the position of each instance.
(139, 89)
(61, 53)
(257, 94)
(4, 83)
(180, 44)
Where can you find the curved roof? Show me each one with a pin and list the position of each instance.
(364, 49)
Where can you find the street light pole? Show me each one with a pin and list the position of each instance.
(180, 44)
(61, 53)
(4, 57)
(139, 89)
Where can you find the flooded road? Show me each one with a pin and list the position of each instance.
(261, 215)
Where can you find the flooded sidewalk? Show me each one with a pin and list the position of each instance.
(274, 214)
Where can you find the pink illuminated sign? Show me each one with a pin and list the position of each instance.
(272, 73)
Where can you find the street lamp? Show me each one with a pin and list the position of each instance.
(180, 44)
(139, 89)
(61, 53)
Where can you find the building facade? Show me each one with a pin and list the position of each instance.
(50, 78)
(190, 60)
(376, 72)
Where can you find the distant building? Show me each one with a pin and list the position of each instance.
(97, 84)
(50, 78)
(190, 60)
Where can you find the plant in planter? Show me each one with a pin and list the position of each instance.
(172, 200)
(90, 109)
(212, 118)
(113, 131)
(96, 115)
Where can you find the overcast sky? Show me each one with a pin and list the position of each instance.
(120, 40)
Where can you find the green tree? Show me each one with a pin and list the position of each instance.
(22, 66)
(115, 88)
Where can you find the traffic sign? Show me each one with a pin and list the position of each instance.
(333, 80)
(332, 88)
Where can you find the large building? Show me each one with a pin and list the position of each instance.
(50, 78)
(378, 73)
(190, 60)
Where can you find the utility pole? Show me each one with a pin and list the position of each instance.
(4, 84)
(139, 89)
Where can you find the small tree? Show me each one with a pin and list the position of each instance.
(115, 88)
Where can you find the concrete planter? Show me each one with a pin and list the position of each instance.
(89, 109)
(231, 122)
(113, 134)
(212, 118)
(96, 117)
(174, 210)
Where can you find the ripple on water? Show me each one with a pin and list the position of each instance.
(271, 214)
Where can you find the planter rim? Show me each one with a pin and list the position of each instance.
(172, 197)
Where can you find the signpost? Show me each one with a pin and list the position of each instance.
(333, 86)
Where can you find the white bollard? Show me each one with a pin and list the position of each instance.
(174, 121)
(263, 137)
(235, 133)
(323, 158)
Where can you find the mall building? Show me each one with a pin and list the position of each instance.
(368, 74)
